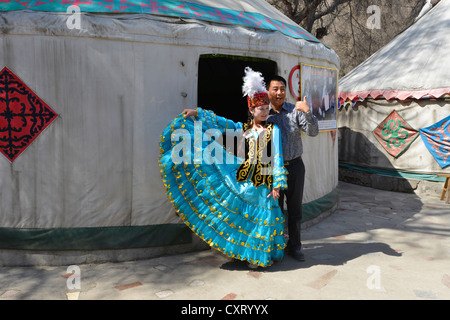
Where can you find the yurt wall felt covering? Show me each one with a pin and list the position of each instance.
(91, 179)
(384, 134)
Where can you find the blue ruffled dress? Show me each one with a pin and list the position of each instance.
(200, 179)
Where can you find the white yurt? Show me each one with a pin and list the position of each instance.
(86, 89)
(391, 101)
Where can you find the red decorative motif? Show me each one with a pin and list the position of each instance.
(259, 99)
(294, 82)
(23, 115)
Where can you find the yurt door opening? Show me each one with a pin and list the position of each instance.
(220, 83)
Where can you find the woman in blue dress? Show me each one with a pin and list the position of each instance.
(230, 201)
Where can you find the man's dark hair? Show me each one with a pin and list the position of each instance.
(275, 78)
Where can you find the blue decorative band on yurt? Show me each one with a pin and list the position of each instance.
(165, 8)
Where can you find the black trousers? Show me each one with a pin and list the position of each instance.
(294, 199)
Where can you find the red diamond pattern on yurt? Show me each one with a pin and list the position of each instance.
(23, 115)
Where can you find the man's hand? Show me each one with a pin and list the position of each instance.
(190, 112)
(302, 106)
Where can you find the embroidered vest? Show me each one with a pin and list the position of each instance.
(257, 164)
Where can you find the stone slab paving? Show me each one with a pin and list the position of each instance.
(377, 245)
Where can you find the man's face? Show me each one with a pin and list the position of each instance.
(277, 93)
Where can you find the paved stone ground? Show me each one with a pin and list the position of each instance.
(377, 245)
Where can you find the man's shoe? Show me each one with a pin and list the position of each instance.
(297, 255)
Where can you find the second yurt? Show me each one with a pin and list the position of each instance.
(394, 120)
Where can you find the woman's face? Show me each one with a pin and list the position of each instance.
(260, 113)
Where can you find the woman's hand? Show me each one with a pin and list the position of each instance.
(190, 112)
(275, 193)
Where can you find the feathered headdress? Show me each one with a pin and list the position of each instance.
(254, 88)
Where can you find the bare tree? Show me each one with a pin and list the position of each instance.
(307, 12)
(354, 34)
(347, 25)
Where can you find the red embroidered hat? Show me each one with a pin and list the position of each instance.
(259, 99)
(254, 88)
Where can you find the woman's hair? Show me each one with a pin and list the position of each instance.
(250, 119)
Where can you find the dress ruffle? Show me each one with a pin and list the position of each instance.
(233, 217)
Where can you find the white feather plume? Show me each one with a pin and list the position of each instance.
(253, 83)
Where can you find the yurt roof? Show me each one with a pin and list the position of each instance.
(413, 65)
(250, 13)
